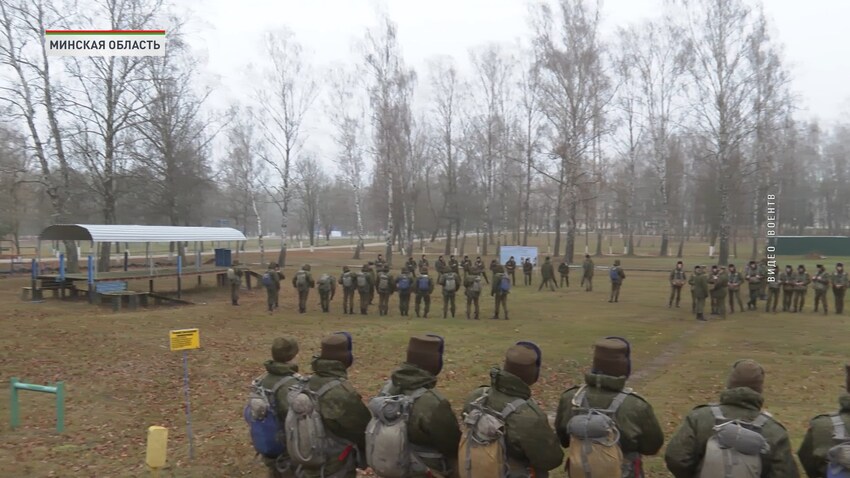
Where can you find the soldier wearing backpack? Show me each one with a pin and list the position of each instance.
(413, 432)
(499, 290)
(385, 289)
(404, 286)
(327, 405)
(451, 283)
(529, 447)
(820, 283)
(527, 270)
(327, 290)
(617, 276)
(271, 281)
(348, 281)
(510, 267)
(587, 273)
(839, 287)
(267, 407)
(303, 282)
(365, 287)
(547, 273)
(825, 449)
(564, 272)
(373, 275)
(677, 280)
(734, 438)
(605, 424)
(801, 287)
(424, 287)
(234, 276)
(472, 289)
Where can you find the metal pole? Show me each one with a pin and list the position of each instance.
(60, 407)
(33, 274)
(90, 277)
(126, 259)
(62, 267)
(188, 406)
(13, 406)
(179, 275)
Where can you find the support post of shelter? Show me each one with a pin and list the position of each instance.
(90, 279)
(126, 260)
(179, 275)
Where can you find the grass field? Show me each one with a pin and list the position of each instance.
(121, 377)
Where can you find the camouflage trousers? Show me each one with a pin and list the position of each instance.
(799, 300)
(365, 300)
(772, 299)
(587, 282)
(565, 279)
(615, 291)
(526, 278)
(404, 303)
(820, 299)
(234, 293)
(347, 300)
(325, 300)
(472, 301)
(271, 298)
(383, 303)
(302, 300)
(548, 281)
(423, 298)
(735, 296)
(787, 299)
(755, 292)
(675, 294)
(448, 303)
(501, 301)
(838, 292)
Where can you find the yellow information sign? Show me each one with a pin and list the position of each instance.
(184, 339)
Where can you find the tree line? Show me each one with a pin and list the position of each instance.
(678, 126)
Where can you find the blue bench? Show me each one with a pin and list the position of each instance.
(111, 286)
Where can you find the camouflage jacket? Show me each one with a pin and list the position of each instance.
(639, 428)
(310, 282)
(700, 285)
(432, 422)
(687, 446)
(787, 280)
(390, 283)
(529, 440)
(275, 371)
(496, 285)
(587, 268)
(820, 281)
(564, 269)
(679, 275)
(510, 266)
(527, 267)
(735, 279)
(547, 271)
(449, 275)
(819, 439)
(754, 277)
(802, 281)
(839, 279)
(343, 412)
(719, 284)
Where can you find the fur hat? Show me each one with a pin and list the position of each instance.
(338, 346)
(306, 267)
(616, 262)
(284, 349)
(746, 373)
(426, 352)
(612, 356)
(523, 360)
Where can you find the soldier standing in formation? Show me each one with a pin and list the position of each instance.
(479, 266)
(466, 265)
(411, 263)
(527, 269)
(754, 282)
(453, 264)
(699, 291)
(677, 281)
(349, 285)
(472, 289)
(820, 283)
(327, 290)
(423, 264)
(281, 371)
(839, 287)
(617, 276)
(499, 292)
(564, 271)
(735, 281)
(547, 272)
(451, 283)
(302, 282)
(825, 433)
(801, 287)
(234, 275)
(587, 273)
(404, 286)
(424, 288)
(510, 267)
(773, 290)
(365, 288)
(787, 279)
(440, 265)
(385, 287)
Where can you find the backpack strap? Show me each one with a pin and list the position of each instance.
(512, 407)
(327, 387)
(717, 412)
(283, 381)
(839, 429)
(617, 402)
(761, 420)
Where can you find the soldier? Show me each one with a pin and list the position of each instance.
(500, 289)
(754, 280)
(825, 433)
(691, 286)
(277, 277)
(404, 286)
(303, 282)
(605, 389)
(742, 400)
(373, 275)
(451, 283)
(735, 280)
(379, 263)
(721, 286)
(349, 285)
(466, 264)
(587, 273)
(344, 415)
(479, 266)
(788, 280)
(699, 291)
(271, 281)
(472, 289)
(801, 287)
(677, 281)
(453, 264)
(385, 287)
(773, 289)
(839, 287)
(547, 272)
(365, 288)
(411, 263)
(432, 427)
(327, 290)
(820, 283)
(564, 271)
(440, 266)
(510, 267)
(424, 288)
(234, 276)
(527, 269)
(281, 370)
(712, 291)
(617, 276)
(531, 446)
(762, 268)
(423, 263)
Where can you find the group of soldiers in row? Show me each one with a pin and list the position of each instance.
(440, 446)
(720, 282)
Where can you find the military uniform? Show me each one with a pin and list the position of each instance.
(677, 281)
(349, 278)
(839, 287)
(432, 425)
(410, 264)
(304, 290)
(327, 291)
(564, 271)
(510, 267)
(616, 281)
(547, 273)
(531, 446)
(700, 292)
(721, 287)
(527, 269)
(762, 268)
(640, 432)
(273, 288)
(449, 295)
(280, 367)
(344, 415)
(366, 291)
(824, 433)
(404, 285)
(713, 290)
(235, 284)
(423, 264)
(373, 275)
(742, 400)
(500, 295)
(453, 264)
(423, 294)
(385, 286)
(754, 283)
(380, 263)
(479, 267)
(787, 279)
(277, 278)
(801, 288)
(735, 281)
(820, 283)
(470, 283)
(441, 266)
(466, 264)
(587, 273)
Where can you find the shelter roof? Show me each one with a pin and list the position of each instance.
(133, 233)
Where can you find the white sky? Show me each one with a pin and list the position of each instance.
(227, 34)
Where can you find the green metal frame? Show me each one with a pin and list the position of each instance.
(58, 389)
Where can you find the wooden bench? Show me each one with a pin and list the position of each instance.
(132, 298)
(28, 293)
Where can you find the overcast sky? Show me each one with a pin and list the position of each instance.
(226, 34)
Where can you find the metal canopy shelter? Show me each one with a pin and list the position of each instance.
(129, 233)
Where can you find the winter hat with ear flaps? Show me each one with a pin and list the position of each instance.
(338, 346)
(612, 356)
(746, 373)
(284, 349)
(426, 352)
(523, 360)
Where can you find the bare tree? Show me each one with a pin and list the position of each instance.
(531, 130)
(311, 183)
(286, 95)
